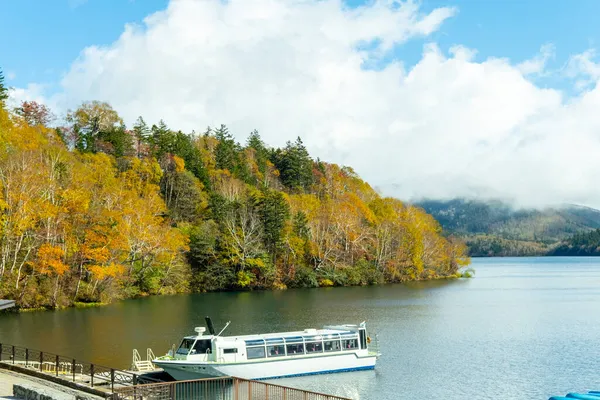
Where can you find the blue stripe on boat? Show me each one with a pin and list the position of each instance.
(318, 373)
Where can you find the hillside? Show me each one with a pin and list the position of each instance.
(495, 229)
(581, 244)
(96, 211)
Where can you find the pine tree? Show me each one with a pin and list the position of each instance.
(260, 151)
(295, 165)
(162, 139)
(142, 133)
(274, 212)
(225, 153)
(3, 89)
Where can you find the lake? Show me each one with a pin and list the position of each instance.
(523, 328)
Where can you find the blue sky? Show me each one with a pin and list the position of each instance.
(45, 37)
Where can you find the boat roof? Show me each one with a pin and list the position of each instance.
(327, 330)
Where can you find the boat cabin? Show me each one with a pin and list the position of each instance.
(310, 342)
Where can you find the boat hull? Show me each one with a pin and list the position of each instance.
(269, 369)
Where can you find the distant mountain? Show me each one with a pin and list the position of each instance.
(494, 228)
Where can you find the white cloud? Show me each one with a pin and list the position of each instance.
(537, 64)
(33, 92)
(449, 126)
(584, 69)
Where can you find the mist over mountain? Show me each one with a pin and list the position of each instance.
(496, 228)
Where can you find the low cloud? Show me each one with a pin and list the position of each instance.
(449, 126)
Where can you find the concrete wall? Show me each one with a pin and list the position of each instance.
(30, 392)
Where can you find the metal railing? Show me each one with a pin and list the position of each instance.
(125, 385)
(222, 388)
(373, 345)
(70, 369)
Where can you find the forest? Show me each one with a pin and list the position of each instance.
(581, 244)
(92, 211)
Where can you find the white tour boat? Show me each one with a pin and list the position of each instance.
(335, 348)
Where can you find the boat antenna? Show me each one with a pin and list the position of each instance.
(226, 325)
(209, 325)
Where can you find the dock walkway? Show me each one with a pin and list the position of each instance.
(9, 378)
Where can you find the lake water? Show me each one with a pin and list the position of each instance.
(523, 328)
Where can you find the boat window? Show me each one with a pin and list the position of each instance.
(185, 346)
(277, 350)
(229, 351)
(256, 342)
(314, 347)
(348, 335)
(331, 336)
(331, 345)
(202, 347)
(255, 352)
(274, 340)
(295, 349)
(350, 344)
(294, 339)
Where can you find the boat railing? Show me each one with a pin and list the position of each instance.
(228, 387)
(373, 344)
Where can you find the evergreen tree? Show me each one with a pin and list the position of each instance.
(295, 165)
(261, 153)
(162, 140)
(225, 153)
(116, 141)
(184, 147)
(229, 155)
(142, 134)
(274, 212)
(3, 89)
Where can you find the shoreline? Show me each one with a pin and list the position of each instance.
(467, 273)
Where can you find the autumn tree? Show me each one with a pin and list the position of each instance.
(242, 241)
(154, 210)
(89, 120)
(35, 113)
